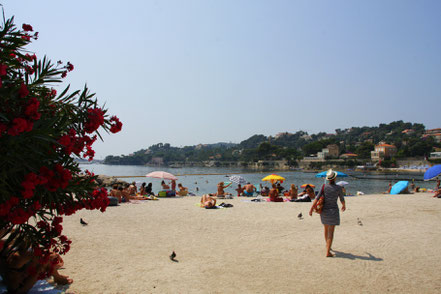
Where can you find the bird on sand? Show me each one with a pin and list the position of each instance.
(83, 222)
(172, 256)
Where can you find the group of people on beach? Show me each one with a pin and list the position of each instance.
(127, 192)
(330, 192)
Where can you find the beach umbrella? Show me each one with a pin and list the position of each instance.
(323, 174)
(304, 185)
(273, 178)
(161, 175)
(342, 183)
(399, 187)
(238, 180)
(432, 172)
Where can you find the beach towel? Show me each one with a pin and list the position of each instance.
(40, 287)
(213, 207)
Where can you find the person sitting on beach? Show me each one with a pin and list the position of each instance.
(437, 184)
(389, 189)
(183, 191)
(207, 201)
(132, 189)
(165, 186)
(292, 193)
(249, 189)
(279, 187)
(116, 193)
(149, 189)
(239, 190)
(220, 190)
(306, 196)
(142, 189)
(16, 268)
(125, 193)
(274, 194)
(264, 191)
(414, 188)
(437, 194)
(173, 185)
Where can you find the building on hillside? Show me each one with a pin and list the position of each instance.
(435, 155)
(408, 131)
(382, 151)
(323, 154)
(157, 161)
(435, 133)
(331, 150)
(334, 151)
(283, 135)
(348, 155)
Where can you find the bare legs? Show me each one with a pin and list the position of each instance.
(207, 201)
(329, 237)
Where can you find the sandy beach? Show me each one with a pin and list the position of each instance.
(257, 248)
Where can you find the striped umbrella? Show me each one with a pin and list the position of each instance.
(238, 180)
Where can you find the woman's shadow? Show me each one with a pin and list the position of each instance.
(340, 254)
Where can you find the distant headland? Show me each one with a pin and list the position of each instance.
(397, 144)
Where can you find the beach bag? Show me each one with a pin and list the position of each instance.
(162, 194)
(319, 205)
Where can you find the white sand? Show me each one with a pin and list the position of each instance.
(257, 248)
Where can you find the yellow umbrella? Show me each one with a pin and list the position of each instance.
(273, 178)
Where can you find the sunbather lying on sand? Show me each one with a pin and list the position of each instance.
(19, 277)
(207, 201)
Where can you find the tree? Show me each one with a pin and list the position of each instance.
(364, 150)
(41, 133)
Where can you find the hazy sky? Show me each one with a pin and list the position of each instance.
(187, 72)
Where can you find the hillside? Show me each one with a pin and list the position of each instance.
(407, 137)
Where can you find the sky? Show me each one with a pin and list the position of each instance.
(187, 72)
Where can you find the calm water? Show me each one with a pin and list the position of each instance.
(202, 178)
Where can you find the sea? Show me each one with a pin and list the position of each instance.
(202, 180)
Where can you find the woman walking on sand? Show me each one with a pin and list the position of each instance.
(330, 215)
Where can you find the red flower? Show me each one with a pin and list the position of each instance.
(3, 68)
(31, 57)
(117, 126)
(19, 125)
(95, 118)
(27, 27)
(63, 74)
(30, 70)
(70, 66)
(32, 109)
(23, 91)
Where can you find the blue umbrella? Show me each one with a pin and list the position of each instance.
(432, 172)
(323, 174)
(399, 187)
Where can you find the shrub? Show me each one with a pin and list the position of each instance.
(41, 134)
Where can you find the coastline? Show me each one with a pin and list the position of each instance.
(256, 248)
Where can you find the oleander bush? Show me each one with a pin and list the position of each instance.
(42, 132)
